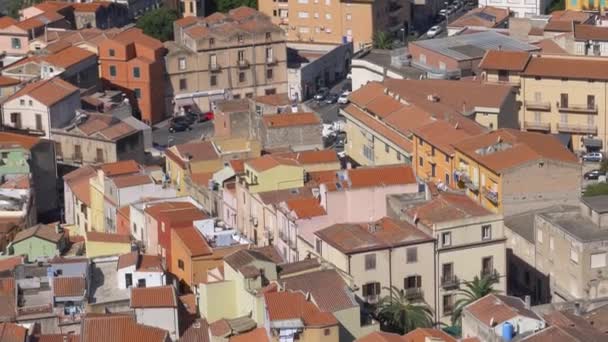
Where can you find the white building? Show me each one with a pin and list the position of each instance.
(157, 307)
(136, 270)
(41, 105)
(519, 8)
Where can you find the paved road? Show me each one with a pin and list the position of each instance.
(162, 137)
(443, 24)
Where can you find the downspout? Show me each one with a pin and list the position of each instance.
(390, 269)
(435, 262)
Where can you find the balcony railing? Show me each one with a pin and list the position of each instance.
(214, 67)
(448, 309)
(271, 60)
(571, 128)
(491, 195)
(292, 243)
(578, 108)
(243, 63)
(371, 299)
(77, 157)
(282, 235)
(538, 105)
(449, 281)
(435, 73)
(537, 125)
(490, 273)
(414, 293)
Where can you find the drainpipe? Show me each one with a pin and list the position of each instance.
(435, 262)
(390, 269)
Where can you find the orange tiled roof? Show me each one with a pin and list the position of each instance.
(255, 335)
(9, 263)
(311, 156)
(153, 297)
(131, 180)
(186, 21)
(568, 67)
(442, 135)
(120, 168)
(90, 6)
(590, 32)
(290, 120)
(138, 37)
(69, 286)
(78, 182)
(306, 208)
(48, 92)
(487, 16)
(447, 207)
(69, 56)
(287, 305)
(281, 99)
(517, 148)
(385, 233)
(499, 308)
(7, 21)
(57, 338)
(505, 60)
(119, 328)
(11, 332)
(549, 46)
(379, 127)
(194, 241)
(269, 161)
(380, 336)
(11, 139)
(367, 177)
(8, 81)
(46, 232)
(425, 334)
(108, 237)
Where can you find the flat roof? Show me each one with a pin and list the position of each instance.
(523, 223)
(596, 203)
(474, 45)
(383, 58)
(575, 224)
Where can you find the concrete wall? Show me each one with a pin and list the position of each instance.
(298, 138)
(163, 318)
(95, 248)
(153, 279)
(35, 248)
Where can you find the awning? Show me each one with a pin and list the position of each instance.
(592, 142)
(564, 138)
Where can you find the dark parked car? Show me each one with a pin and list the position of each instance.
(593, 174)
(179, 127)
(331, 98)
(321, 94)
(187, 119)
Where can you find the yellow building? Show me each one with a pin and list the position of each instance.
(104, 244)
(195, 157)
(334, 22)
(509, 171)
(269, 172)
(434, 151)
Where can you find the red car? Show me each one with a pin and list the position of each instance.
(206, 116)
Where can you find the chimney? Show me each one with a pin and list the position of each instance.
(527, 300)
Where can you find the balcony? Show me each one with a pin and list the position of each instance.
(371, 299)
(282, 235)
(449, 281)
(490, 273)
(581, 129)
(577, 108)
(538, 105)
(271, 61)
(414, 293)
(77, 157)
(214, 67)
(491, 195)
(537, 126)
(243, 63)
(292, 244)
(430, 157)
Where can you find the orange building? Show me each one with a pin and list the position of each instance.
(133, 62)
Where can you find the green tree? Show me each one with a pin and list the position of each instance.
(227, 5)
(13, 6)
(158, 23)
(382, 40)
(478, 288)
(596, 189)
(397, 314)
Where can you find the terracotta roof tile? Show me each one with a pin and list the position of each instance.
(571, 15)
(379, 127)
(487, 16)
(68, 57)
(11, 332)
(46, 232)
(107, 237)
(499, 308)
(255, 335)
(447, 207)
(366, 177)
(142, 262)
(56, 338)
(242, 258)
(505, 60)
(120, 168)
(14, 139)
(242, 12)
(131, 180)
(220, 328)
(117, 131)
(277, 100)
(78, 182)
(8, 299)
(153, 297)
(119, 328)
(306, 208)
(194, 241)
(549, 46)
(155, 209)
(291, 268)
(327, 288)
(380, 336)
(442, 135)
(551, 334)
(48, 92)
(90, 6)
(9, 263)
(269, 161)
(198, 331)
(69, 286)
(568, 67)
(290, 120)
(186, 21)
(558, 26)
(138, 37)
(8, 81)
(385, 233)
(202, 178)
(288, 305)
(425, 334)
(7, 21)
(196, 151)
(590, 32)
(517, 148)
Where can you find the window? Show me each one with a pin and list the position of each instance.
(303, 29)
(487, 265)
(111, 52)
(302, 14)
(99, 155)
(503, 75)
(370, 262)
(551, 243)
(241, 55)
(22, 102)
(563, 100)
(268, 36)
(420, 142)
(134, 228)
(183, 84)
(432, 170)
(370, 289)
(573, 255)
(539, 236)
(420, 161)
(30, 103)
(241, 77)
(486, 232)
(269, 55)
(398, 155)
(240, 38)
(39, 122)
(446, 239)
(349, 16)
(328, 16)
(136, 72)
(319, 246)
(302, 1)
(326, 332)
(448, 304)
(598, 260)
(141, 282)
(213, 80)
(411, 255)
(422, 58)
(16, 43)
(590, 101)
(181, 63)
(113, 70)
(386, 148)
(269, 74)
(16, 120)
(316, 16)
(270, 91)
(213, 61)
(180, 264)
(137, 93)
(442, 66)
(412, 282)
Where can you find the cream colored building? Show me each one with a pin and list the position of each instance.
(469, 243)
(235, 55)
(335, 21)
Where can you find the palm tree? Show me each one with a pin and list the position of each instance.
(478, 288)
(382, 40)
(398, 314)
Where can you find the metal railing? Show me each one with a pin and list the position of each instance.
(449, 281)
(491, 195)
(414, 293)
(537, 125)
(491, 273)
(243, 63)
(578, 108)
(572, 128)
(538, 105)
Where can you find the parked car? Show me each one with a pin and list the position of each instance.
(434, 31)
(593, 157)
(331, 98)
(443, 12)
(184, 119)
(593, 174)
(179, 127)
(343, 99)
(321, 94)
(203, 117)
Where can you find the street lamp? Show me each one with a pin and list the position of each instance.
(403, 35)
(447, 14)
